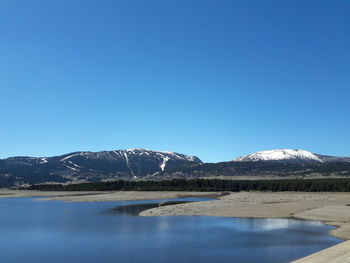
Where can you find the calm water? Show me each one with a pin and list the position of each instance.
(54, 231)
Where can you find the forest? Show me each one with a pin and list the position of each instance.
(302, 185)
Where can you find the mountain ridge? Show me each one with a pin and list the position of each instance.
(135, 164)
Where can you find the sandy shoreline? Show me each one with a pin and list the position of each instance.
(103, 196)
(330, 208)
(336, 254)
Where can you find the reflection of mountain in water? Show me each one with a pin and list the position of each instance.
(138, 208)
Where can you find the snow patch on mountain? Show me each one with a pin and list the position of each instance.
(69, 156)
(163, 164)
(128, 163)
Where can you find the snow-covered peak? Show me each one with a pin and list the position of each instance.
(162, 154)
(287, 155)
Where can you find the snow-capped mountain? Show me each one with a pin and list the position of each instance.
(291, 156)
(135, 160)
(92, 166)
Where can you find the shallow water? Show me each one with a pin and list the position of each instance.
(55, 231)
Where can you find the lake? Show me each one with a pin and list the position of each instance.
(34, 231)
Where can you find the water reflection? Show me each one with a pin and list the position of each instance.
(274, 223)
(135, 209)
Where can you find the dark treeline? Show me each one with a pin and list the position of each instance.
(311, 185)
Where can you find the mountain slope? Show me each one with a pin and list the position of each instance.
(90, 166)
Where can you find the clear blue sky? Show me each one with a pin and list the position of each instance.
(216, 79)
